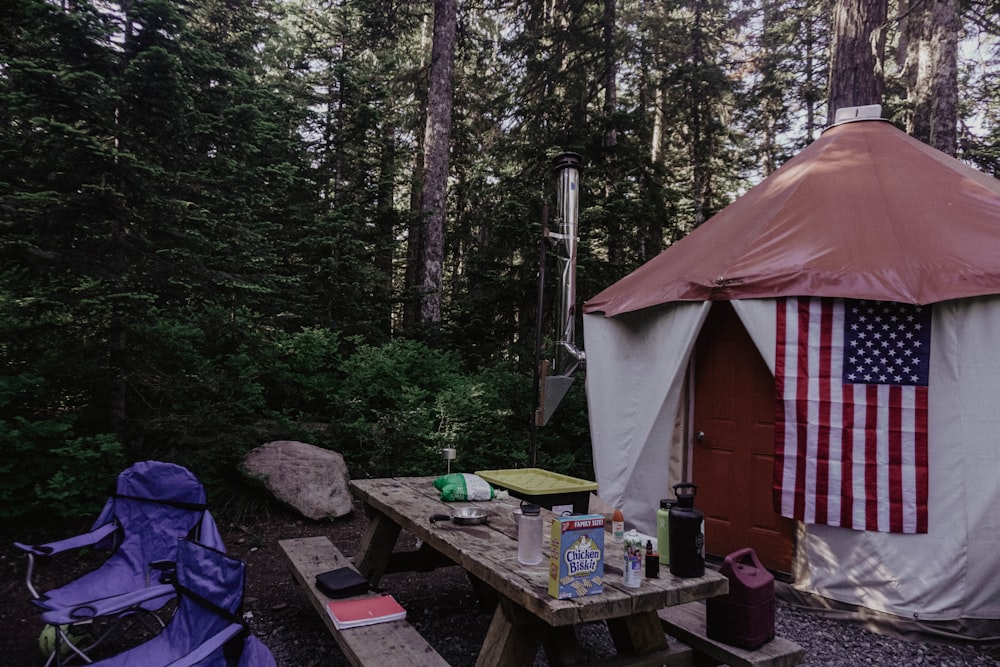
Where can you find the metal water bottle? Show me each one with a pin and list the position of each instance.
(687, 534)
(663, 530)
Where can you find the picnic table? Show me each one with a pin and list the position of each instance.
(526, 617)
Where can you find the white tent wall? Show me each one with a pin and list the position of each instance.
(634, 381)
(636, 367)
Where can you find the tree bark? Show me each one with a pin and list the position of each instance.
(856, 54)
(700, 143)
(929, 44)
(437, 138)
(411, 278)
(610, 72)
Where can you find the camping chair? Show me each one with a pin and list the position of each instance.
(207, 628)
(153, 505)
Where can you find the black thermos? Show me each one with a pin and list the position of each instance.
(687, 535)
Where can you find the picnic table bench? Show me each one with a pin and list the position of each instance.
(390, 644)
(686, 622)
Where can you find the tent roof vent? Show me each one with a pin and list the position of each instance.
(853, 114)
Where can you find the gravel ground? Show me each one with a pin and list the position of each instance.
(838, 642)
(442, 606)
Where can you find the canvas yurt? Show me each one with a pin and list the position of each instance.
(822, 358)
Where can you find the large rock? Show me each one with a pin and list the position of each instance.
(310, 479)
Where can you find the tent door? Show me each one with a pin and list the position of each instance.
(733, 444)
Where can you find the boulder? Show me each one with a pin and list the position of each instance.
(310, 479)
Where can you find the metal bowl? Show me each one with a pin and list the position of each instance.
(464, 516)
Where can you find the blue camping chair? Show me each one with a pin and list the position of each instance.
(207, 628)
(154, 504)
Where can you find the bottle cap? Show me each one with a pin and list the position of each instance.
(667, 503)
(530, 509)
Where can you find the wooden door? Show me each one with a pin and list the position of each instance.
(733, 449)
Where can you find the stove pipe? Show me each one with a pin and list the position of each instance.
(568, 355)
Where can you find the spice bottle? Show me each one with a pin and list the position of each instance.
(652, 561)
(618, 526)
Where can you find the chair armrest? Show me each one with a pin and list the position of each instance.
(75, 542)
(109, 605)
(208, 646)
(52, 548)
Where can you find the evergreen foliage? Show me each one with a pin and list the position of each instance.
(209, 214)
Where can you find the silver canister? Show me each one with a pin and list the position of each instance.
(634, 555)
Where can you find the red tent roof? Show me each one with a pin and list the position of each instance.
(865, 212)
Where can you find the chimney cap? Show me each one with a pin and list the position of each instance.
(564, 160)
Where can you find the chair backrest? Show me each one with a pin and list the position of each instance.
(210, 598)
(210, 589)
(154, 504)
(162, 482)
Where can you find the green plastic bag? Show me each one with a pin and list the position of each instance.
(463, 486)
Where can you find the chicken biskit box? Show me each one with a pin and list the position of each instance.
(576, 563)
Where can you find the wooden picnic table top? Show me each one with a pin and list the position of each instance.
(488, 552)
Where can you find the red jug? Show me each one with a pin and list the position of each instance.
(743, 617)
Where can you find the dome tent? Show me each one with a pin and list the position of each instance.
(865, 212)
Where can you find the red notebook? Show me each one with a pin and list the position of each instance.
(364, 611)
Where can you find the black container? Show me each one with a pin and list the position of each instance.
(687, 535)
(743, 617)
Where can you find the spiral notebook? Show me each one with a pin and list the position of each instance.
(364, 611)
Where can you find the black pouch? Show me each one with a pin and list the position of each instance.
(341, 583)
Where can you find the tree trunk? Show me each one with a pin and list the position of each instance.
(610, 72)
(437, 137)
(387, 221)
(856, 54)
(929, 44)
(411, 278)
(701, 144)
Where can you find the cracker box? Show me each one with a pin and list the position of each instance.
(576, 563)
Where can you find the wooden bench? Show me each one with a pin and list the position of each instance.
(686, 622)
(391, 644)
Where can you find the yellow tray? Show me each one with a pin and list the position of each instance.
(536, 481)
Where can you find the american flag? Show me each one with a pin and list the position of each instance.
(851, 418)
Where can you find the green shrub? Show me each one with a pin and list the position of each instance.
(404, 402)
(388, 407)
(84, 475)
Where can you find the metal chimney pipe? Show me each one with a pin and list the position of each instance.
(567, 168)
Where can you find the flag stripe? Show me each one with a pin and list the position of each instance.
(822, 400)
(895, 446)
(849, 452)
(921, 468)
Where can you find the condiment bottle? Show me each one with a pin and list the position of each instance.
(652, 561)
(618, 526)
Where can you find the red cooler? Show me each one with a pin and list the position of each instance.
(745, 616)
